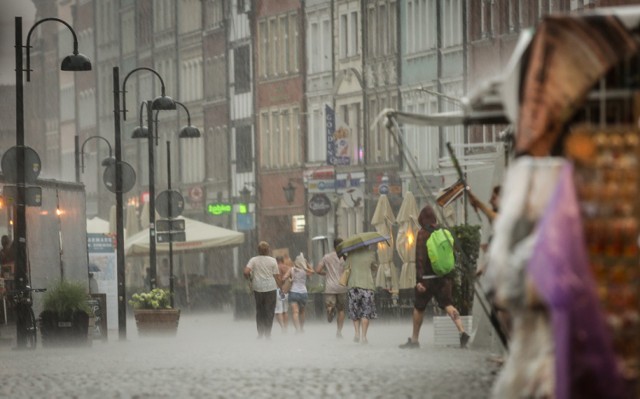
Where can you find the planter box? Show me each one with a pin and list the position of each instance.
(446, 333)
(67, 331)
(157, 321)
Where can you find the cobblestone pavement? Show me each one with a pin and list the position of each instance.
(214, 356)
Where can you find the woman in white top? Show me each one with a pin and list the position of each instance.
(298, 294)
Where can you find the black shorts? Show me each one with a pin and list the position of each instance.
(440, 288)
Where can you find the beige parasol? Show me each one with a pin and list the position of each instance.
(132, 226)
(406, 240)
(144, 216)
(112, 219)
(383, 220)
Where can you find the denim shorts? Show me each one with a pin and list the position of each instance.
(298, 297)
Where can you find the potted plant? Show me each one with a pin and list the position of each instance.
(65, 316)
(154, 314)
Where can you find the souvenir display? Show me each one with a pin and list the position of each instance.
(606, 168)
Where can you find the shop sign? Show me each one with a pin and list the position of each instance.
(319, 205)
(219, 208)
(244, 221)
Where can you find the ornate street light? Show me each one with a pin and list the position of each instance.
(159, 103)
(289, 192)
(74, 62)
(245, 195)
(105, 162)
(147, 132)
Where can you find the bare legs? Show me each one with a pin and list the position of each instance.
(455, 316)
(418, 316)
(340, 323)
(361, 327)
(297, 312)
(283, 320)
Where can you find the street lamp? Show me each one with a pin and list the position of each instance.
(74, 62)
(159, 103)
(105, 162)
(289, 192)
(142, 132)
(148, 132)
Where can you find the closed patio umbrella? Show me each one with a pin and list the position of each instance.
(112, 219)
(383, 220)
(132, 225)
(406, 240)
(144, 216)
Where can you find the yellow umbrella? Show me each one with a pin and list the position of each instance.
(406, 240)
(383, 220)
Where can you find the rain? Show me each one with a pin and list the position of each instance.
(319, 198)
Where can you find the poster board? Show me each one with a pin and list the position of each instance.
(102, 263)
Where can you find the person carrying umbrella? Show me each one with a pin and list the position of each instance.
(360, 265)
(430, 285)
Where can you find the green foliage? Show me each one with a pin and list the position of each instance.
(467, 251)
(157, 298)
(65, 298)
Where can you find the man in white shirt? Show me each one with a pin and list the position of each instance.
(263, 272)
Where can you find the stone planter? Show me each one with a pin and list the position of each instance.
(72, 330)
(163, 322)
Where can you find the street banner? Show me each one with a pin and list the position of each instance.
(337, 139)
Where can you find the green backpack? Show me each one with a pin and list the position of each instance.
(440, 250)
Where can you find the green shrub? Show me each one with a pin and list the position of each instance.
(65, 298)
(467, 250)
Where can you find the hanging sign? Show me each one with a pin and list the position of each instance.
(319, 205)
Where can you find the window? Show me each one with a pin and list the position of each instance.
(349, 34)
(279, 137)
(486, 19)
(421, 23)
(278, 38)
(244, 149)
(451, 23)
(319, 46)
(242, 69)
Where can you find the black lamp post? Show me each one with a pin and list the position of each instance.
(74, 62)
(159, 103)
(147, 132)
(105, 162)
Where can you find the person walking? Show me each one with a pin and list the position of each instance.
(262, 271)
(335, 295)
(298, 295)
(282, 299)
(429, 285)
(361, 264)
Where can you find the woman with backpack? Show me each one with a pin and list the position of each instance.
(429, 283)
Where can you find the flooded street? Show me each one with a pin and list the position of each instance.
(214, 356)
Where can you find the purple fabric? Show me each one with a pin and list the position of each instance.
(585, 362)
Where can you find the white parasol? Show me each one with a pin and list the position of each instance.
(406, 240)
(383, 220)
(132, 226)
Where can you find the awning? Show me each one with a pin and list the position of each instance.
(199, 236)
